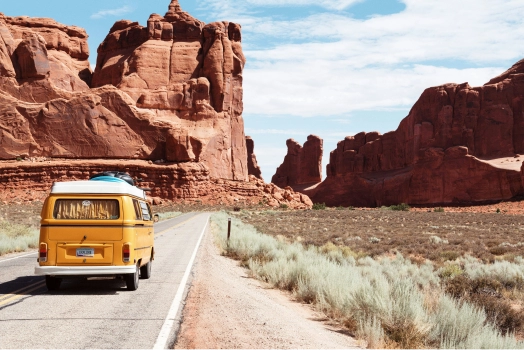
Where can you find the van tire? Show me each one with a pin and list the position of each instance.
(145, 271)
(132, 279)
(52, 283)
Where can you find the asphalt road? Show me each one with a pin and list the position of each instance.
(99, 313)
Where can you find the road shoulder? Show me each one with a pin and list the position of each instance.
(227, 309)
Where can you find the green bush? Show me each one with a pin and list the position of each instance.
(400, 207)
(439, 210)
(283, 206)
(450, 271)
(319, 206)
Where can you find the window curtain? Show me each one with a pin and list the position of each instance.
(86, 209)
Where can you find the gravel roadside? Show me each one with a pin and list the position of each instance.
(227, 309)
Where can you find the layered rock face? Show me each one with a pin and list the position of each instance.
(187, 74)
(444, 151)
(171, 91)
(164, 104)
(302, 164)
(252, 164)
(191, 182)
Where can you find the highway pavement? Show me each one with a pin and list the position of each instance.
(101, 313)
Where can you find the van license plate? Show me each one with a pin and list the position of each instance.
(85, 252)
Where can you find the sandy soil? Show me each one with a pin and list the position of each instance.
(510, 163)
(227, 309)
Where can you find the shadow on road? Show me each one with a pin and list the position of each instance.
(20, 283)
(28, 285)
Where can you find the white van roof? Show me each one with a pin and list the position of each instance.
(96, 187)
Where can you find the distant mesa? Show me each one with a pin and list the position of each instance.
(169, 94)
(302, 165)
(458, 145)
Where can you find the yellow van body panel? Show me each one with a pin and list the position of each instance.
(96, 242)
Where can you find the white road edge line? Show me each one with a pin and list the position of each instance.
(163, 337)
(18, 257)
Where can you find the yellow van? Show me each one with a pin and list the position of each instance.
(97, 228)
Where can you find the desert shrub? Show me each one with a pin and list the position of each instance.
(168, 215)
(383, 299)
(450, 271)
(485, 293)
(400, 207)
(319, 206)
(340, 208)
(499, 250)
(499, 312)
(351, 208)
(372, 332)
(449, 255)
(509, 274)
(374, 240)
(339, 253)
(438, 240)
(439, 210)
(283, 206)
(17, 238)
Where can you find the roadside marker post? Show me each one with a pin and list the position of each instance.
(228, 230)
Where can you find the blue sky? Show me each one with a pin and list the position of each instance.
(331, 67)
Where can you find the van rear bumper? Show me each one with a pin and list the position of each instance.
(84, 270)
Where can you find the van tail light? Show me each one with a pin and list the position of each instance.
(126, 252)
(43, 252)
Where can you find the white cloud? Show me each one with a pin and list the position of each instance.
(112, 12)
(331, 64)
(308, 90)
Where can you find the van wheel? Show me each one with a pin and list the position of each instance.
(145, 271)
(132, 279)
(52, 283)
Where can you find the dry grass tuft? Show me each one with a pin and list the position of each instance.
(17, 238)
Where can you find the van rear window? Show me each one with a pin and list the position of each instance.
(86, 209)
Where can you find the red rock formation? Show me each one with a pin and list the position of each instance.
(170, 91)
(252, 164)
(302, 165)
(440, 152)
(32, 180)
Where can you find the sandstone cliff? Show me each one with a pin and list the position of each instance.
(171, 90)
(164, 100)
(457, 145)
(302, 165)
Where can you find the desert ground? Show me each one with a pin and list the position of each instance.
(442, 236)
